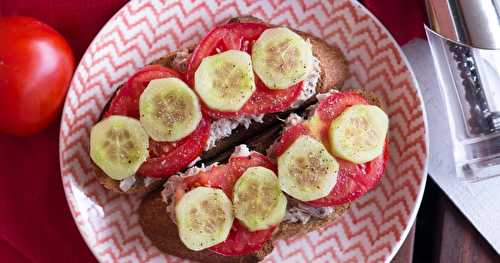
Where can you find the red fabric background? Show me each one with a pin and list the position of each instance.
(35, 221)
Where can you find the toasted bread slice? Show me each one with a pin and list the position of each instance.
(160, 229)
(163, 233)
(158, 226)
(334, 71)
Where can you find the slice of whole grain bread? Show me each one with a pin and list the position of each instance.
(334, 71)
(160, 229)
(162, 232)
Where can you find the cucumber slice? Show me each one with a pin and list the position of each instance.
(204, 217)
(169, 109)
(281, 58)
(225, 81)
(258, 200)
(306, 170)
(119, 145)
(358, 134)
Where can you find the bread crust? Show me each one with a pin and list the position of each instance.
(334, 71)
(334, 67)
(162, 232)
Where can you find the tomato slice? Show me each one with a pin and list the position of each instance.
(240, 240)
(239, 164)
(126, 100)
(263, 100)
(224, 176)
(173, 157)
(354, 180)
(165, 158)
(333, 105)
(241, 36)
(289, 136)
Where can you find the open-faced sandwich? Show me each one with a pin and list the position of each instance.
(197, 103)
(178, 120)
(314, 168)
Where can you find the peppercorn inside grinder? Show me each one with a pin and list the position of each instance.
(464, 37)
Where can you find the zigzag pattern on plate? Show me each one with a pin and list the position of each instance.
(144, 30)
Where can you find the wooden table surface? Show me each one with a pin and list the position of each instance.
(443, 234)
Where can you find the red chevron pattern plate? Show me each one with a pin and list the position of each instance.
(371, 231)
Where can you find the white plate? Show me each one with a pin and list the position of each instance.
(376, 225)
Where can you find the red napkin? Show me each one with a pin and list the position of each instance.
(403, 18)
(35, 221)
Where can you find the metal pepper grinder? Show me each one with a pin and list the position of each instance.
(464, 36)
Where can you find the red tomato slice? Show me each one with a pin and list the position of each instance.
(329, 109)
(217, 177)
(241, 36)
(289, 136)
(175, 156)
(333, 105)
(263, 100)
(238, 165)
(224, 176)
(240, 240)
(354, 180)
(126, 100)
(165, 158)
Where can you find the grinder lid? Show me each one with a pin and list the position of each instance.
(474, 23)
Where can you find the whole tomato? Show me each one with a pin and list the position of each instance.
(36, 66)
